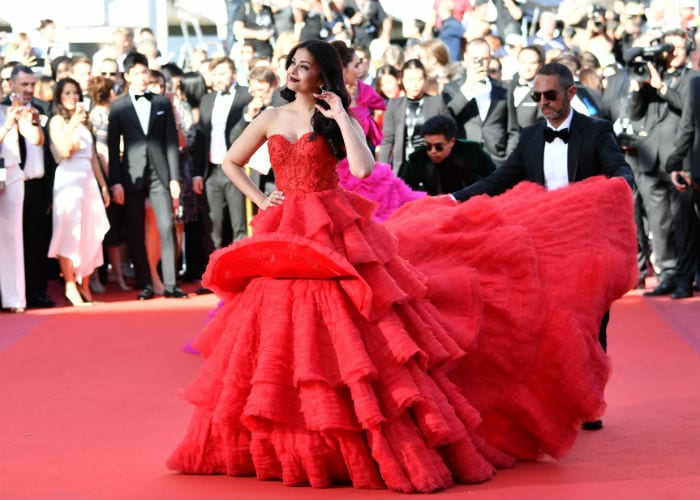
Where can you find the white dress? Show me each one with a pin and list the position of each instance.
(79, 217)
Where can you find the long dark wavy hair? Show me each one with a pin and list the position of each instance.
(57, 106)
(328, 61)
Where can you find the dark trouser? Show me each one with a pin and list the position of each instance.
(688, 237)
(162, 204)
(36, 228)
(603, 332)
(660, 204)
(221, 193)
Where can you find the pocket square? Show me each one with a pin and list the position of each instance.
(158, 113)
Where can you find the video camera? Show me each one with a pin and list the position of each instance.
(637, 58)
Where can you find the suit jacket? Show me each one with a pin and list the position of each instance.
(241, 99)
(157, 149)
(660, 116)
(393, 143)
(592, 151)
(422, 174)
(687, 138)
(493, 132)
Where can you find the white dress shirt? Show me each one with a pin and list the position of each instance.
(556, 171)
(143, 110)
(219, 117)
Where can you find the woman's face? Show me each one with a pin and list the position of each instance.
(303, 74)
(69, 96)
(352, 70)
(413, 82)
(389, 85)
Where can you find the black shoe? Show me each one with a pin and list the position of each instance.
(682, 292)
(202, 291)
(664, 288)
(147, 293)
(593, 425)
(40, 300)
(175, 293)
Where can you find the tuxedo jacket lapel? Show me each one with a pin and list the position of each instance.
(576, 133)
(538, 152)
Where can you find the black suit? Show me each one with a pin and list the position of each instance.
(592, 150)
(466, 164)
(221, 192)
(149, 162)
(493, 131)
(393, 147)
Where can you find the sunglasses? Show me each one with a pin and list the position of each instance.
(439, 147)
(550, 95)
(108, 73)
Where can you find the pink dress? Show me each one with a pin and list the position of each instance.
(367, 101)
(435, 348)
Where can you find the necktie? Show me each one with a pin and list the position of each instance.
(148, 96)
(551, 134)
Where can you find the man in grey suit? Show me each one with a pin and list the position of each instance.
(565, 148)
(148, 168)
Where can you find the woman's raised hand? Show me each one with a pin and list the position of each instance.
(335, 105)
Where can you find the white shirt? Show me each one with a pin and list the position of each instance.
(219, 117)
(482, 94)
(556, 171)
(10, 152)
(143, 110)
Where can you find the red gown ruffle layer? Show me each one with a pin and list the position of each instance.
(334, 360)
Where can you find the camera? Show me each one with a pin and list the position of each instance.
(638, 57)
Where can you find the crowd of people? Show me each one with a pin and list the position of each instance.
(123, 149)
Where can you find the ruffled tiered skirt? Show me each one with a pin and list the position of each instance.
(462, 339)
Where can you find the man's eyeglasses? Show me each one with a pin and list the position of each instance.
(108, 73)
(438, 146)
(550, 95)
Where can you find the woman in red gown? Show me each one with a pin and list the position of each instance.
(433, 349)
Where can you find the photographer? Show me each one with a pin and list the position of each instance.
(659, 78)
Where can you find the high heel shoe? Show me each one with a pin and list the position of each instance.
(75, 302)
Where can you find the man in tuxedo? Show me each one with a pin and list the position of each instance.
(586, 146)
(147, 168)
(565, 148)
(445, 164)
(36, 162)
(221, 112)
(479, 105)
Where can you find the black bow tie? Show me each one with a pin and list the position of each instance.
(148, 96)
(225, 92)
(551, 134)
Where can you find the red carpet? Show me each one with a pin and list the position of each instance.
(89, 410)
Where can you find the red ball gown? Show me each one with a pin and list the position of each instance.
(435, 348)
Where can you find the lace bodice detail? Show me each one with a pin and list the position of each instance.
(306, 165)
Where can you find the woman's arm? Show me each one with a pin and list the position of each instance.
(62, 135)
(252, 137)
